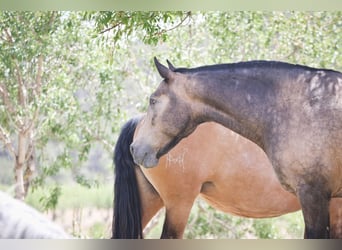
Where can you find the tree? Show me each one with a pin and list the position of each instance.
(22, 57)
(47, 62)
(310, 38)
(56, 85)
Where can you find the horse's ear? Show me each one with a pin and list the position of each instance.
(171, 67)
(164, 72)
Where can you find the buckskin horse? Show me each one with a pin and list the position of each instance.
(292, 112)
(213, 163)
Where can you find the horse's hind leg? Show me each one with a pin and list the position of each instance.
(150, 200)
(315, 207)
(176, 218)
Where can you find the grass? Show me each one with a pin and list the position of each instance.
(83, 212)
(87, 213)
(97, 230)
(75, 196)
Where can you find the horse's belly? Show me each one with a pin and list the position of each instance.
(249, 202)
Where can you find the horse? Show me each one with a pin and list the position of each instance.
(20, 221)
(293, 112)
(213, 163)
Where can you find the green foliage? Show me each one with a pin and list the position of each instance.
(209, 223)
(151, 26)
(69, 92)
(98, 231)
(206, 222)
(50, 202)
(264, 229)
(24, 38)
(300, 37)
(83, 181)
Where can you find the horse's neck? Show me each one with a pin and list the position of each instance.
(238, 102)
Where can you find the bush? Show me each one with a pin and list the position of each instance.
(207, 222)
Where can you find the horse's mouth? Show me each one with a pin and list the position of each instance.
(164, 150)
(147, 161)
(144, 156)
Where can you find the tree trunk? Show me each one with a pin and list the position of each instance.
(19, 180)
(19, 167)
(30, 169)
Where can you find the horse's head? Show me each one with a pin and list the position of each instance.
(170, 117)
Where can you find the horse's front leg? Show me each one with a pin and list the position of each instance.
(314, 199)
(336, 218)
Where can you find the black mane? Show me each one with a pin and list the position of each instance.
(250, 65)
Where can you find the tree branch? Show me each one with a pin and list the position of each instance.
(98, 138)
(110, 28)
(21, 94)
(21, 86)
(188, 14)
(30, 124)
(6, 140)
(31, 146)
(52, 18)
(2, 37)
(8, 35)
(38, 87)
(6, 99)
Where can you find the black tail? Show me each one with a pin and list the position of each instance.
(127, 207)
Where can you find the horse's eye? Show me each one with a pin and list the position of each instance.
(153, 101)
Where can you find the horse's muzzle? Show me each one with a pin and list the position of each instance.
(143, 155)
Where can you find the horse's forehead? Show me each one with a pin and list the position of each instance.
(175, 91)
(162, 89)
